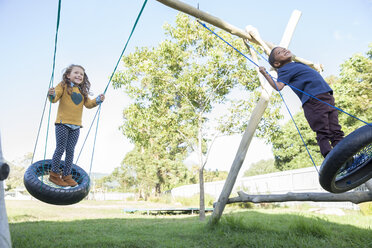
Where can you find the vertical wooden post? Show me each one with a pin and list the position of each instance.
(4, 226)
(250, 130)
(265, 96)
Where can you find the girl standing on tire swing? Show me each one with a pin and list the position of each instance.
(72, 94)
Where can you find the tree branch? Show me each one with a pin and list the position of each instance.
(188, 140)
(210, 148)
(354, 197)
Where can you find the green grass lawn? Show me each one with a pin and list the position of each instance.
(103, 224)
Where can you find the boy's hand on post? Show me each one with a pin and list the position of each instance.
(262, 70)
(102, 97)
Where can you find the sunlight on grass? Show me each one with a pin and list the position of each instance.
(104, 224)
(309, 227)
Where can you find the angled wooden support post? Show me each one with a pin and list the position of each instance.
(251, 128)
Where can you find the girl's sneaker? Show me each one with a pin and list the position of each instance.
(69, 181)
(56, 179)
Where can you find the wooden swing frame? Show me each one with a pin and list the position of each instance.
(252, 35)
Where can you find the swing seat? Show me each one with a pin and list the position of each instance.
(36, 180)
(349, 164)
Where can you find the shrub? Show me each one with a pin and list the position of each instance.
(194, 200)
(366, 208)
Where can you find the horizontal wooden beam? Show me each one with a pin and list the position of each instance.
(217, 22)
(354, 197)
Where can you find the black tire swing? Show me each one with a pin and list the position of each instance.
(349, 164)
(36, 182)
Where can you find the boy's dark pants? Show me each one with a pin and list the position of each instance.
(323, 120)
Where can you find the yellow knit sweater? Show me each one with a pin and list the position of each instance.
(70, 108)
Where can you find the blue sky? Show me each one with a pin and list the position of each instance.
(93, 32)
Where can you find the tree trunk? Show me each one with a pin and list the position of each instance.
(201, 171)
(157, 189)
(202, 198)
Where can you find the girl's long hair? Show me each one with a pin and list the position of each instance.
(84, 86)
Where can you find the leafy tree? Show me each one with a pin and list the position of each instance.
(15, 178)
(354, 91)
(261, 167)
(353, 94)
(288, 148)
(175, 87)
(209, 175)
(17, 170)
(215, 175)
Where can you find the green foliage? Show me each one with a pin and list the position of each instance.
(17, 170)
(175, 88)
(261, 167)
(366, 208)
(194, 200)
(45, 225)
(241, 205)
(240, 111)
(314, 228)
(15, 178)
(288, 148)
(164, 198)
(215, 175)
(209, 175)
(141, 172)
(353, 94)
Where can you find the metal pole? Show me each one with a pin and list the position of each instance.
(4, 226)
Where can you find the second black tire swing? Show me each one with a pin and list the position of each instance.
(355, 150)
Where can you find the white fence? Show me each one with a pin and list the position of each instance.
(105, 196)
(299, 180)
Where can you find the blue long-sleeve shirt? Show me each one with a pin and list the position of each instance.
(304, 78)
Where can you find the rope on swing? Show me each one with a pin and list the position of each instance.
(303, 141)
(98, 112)
(46, 98)
(51, 85)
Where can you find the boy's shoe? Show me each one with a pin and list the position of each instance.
(69, 181)
(56, 179)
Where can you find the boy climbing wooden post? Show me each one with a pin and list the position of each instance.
(306, 82)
